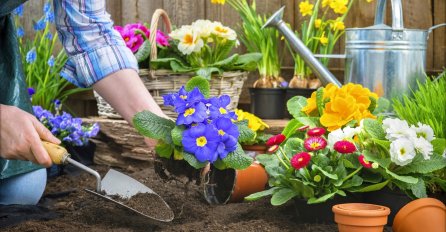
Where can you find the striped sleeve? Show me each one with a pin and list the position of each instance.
(94, 48)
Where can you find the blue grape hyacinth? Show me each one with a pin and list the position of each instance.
(31, 55)
(18, 11)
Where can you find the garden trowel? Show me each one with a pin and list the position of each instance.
(114, 184)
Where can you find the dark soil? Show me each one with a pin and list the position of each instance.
(77, 210)
(148, 204)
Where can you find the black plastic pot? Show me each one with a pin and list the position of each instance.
(394, 199)
(292, 92)
(268, 103)
(321, 213)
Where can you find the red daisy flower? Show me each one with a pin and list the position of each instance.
(315, 143)
(273, 148)
(303, 128)
(300, 160)
(318, 131)
(275, 140)
(364, 162)
(344, 147)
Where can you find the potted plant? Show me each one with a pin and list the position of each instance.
(203, 134)
(268, 93)
(254, 144)
(72, 132)
(41, 64)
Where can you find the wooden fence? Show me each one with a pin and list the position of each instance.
(418, 14)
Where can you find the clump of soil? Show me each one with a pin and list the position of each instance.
(149, 204)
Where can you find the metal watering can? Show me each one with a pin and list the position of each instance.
(387, 60)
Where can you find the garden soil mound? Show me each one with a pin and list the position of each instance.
(78, 210)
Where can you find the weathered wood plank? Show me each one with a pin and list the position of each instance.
(184, 11)
(439, 35)
(114, 9)
(129, 11)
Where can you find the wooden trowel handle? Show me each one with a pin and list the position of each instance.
(57, 153)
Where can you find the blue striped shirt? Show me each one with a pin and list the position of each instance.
(94, 48)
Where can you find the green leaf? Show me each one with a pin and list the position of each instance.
(226, 62)
(291, 127)
(383, 162)
(246, 134)
(219, 164)
(281, 196)
(406, 179)
(179, 67)
(327, 174)
(301, 189)
(371, 188)
(372, 105)
(237, 159)
(143, 52)
(309, 121)
(419, 189)
(153, 126)
(382, 106)
(201, 83)
(207, 72)
(320, 100)
(295, 105)
(193, 161)
(355, 181)
(246, 62)
(324, 198)
(163, 149)
(420, 165)
(293, 145)
(258, 195)
(439, 145)
(177, 135)
(374, 128)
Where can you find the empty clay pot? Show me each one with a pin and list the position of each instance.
(425, 214)
(360, 217)
(230, 185)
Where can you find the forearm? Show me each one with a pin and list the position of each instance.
(126, 93)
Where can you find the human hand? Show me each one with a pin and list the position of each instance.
(21, 134)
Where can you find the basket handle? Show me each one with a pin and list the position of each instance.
(157, 15)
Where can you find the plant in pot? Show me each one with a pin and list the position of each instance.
(72, 132)
(308, 162)
(254, 144)
(268, 93)
(205, 135)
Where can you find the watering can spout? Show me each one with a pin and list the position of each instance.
(299, 47)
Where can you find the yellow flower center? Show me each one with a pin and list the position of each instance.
(223, 110)
(221, 132)
(315, 145)
(184, 97)
(188, 39)
(189, 112)
(300, 160)
(403, 151)
(127, 39)
(221, 29)
(201, 141)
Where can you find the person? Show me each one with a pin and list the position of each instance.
(98, 57)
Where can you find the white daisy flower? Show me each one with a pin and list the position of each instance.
(424, 131)
(396, 129)
(341, 134)
(402, 151)
(423, 147)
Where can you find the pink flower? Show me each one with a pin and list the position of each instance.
(344, 147)
(162, 39)
(273, 148)
(303, 128)
(315, 143)
(300, 160)
(275, 140)
(364, 162)
(318, 131)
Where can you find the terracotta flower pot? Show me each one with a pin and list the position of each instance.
(360, 217)
(425, 214)
(230, 185)
(255, 149)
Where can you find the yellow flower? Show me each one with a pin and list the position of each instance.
(306, 8)
(339, 6)
(317, 23)
(326, 2)
(338, 26)
(369, 1)
(254, 122)
(323, 40)
(222, 2)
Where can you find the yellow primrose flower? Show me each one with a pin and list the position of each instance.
(223, 32)
(306, 8)
(338, 26)
(317, 23)
(326, 2)
(254, 122)
(222, 2)
(323, 40)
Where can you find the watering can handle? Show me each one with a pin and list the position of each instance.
(397, 14)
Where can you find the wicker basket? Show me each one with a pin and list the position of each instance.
(160, 82)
